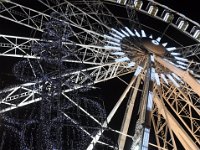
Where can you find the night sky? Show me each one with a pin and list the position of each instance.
(190, 8)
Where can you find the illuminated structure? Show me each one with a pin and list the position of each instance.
(81, 43)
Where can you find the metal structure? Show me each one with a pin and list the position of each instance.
(77, 44)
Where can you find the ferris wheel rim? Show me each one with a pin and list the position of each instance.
(154, 3)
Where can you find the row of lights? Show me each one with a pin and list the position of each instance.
(167, 16)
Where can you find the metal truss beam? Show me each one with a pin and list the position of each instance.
(185, 110)
(81, 20)
(99, 10)
(163, 133)
(162, 128)
(180, 133)
(34, 19)
(86, 33)
(28, 93)
(86, 132)
(128, 114)
(23, 15)
(190, 51)
(183, 74)
(102, 126)
(79, 16)
(76, 19)
(15, 46)
(192, 97)
(111, 114)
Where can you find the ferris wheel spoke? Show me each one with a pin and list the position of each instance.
(79, 16)
(56, 4)
(29, 93)
(133, 16)
(96, 18)
(180, 133)
(192, 96)
(111, 114)
(23, 15)
(166, 123)
(104, 18)
(85, 131)
(190, 51)
(114, 110)
(165, 31)
(102, 126)
(15, 46)
(185, 76)
(93, 54)
(90, 53)
(183, 108)
(94, 8)
(117, 19)
(194, 69)
(127, 116)
(111, 18)
(100, 12)
(88, 33)
(82, 109)
(163, 134)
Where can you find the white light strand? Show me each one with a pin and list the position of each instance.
(111, 38)
(171, 49)
(137, 34)
(119, 33)
(129, 31)
(118, 53)
(113, 43)
(124, 32)
(124, 59)
(116, 36)
(173, 81)
(158, 39)
(131, 64)
(164, 78)
(112, 48)
(143, 33)
(138, 71)
(164, 44)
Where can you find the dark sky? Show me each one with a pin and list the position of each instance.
(189, 8)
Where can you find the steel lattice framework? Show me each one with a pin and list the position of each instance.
(80, 43)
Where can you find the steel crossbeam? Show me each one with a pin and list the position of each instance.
(23, 15)
(28, 93)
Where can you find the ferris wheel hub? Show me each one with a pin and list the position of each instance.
(153, 46)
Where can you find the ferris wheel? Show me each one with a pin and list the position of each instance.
(92, 74)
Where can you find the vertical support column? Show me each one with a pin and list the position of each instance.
(143, 125)
(149, 104)
(128, 115)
